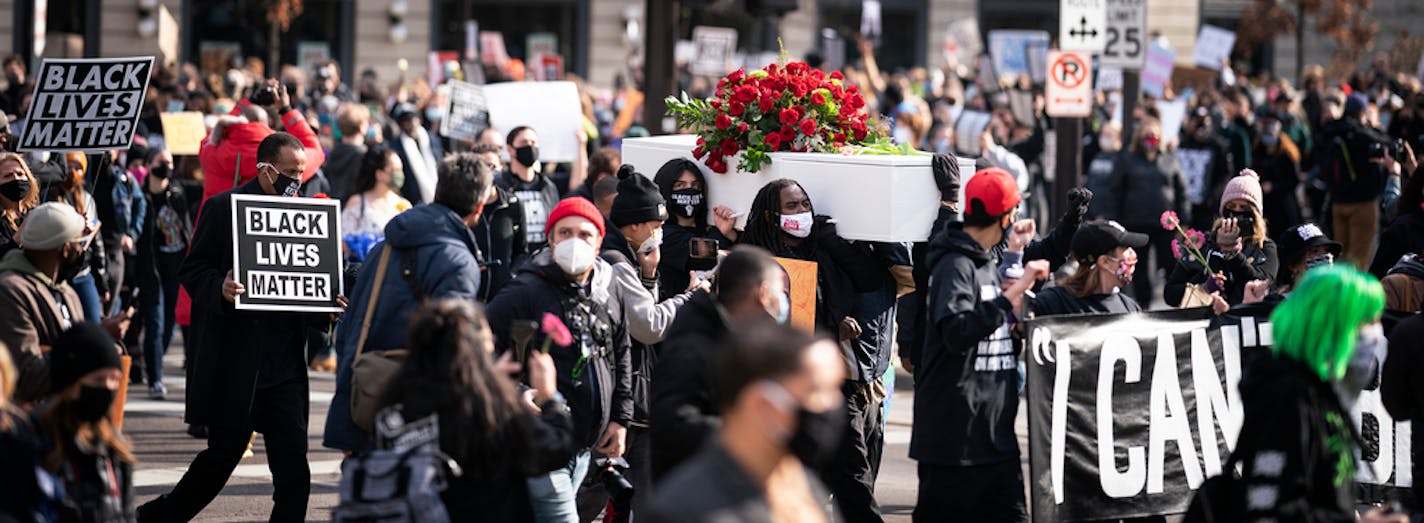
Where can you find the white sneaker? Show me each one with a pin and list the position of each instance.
(157, 392)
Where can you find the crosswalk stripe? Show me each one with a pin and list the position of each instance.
(170, 476)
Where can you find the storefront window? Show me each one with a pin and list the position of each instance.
(516, 20)
(228, 29)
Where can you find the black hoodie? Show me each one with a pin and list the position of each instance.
(966, 376)
(684, 413)
(1296, 446)
(1404, 236)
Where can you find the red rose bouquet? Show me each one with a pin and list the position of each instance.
(777, 108)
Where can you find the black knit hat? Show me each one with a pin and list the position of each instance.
(638, 200)
(82, 349)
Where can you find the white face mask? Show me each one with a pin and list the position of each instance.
(574, 256)
(653, 242)
(798, 225)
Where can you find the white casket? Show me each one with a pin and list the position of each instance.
(872, 197)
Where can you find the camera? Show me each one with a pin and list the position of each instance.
(1396, 149)
(264, 97)
(620, 490)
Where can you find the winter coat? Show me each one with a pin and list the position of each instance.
(714, 488)
(602, 391)
(684, 412)
(342, 167)
(240, 350)
(1404, 285)
(1279, 206)
(98, 487)
(21, 500)
(966, 375)
(1057, 301)
(537, 199)
(151, 265)
(910, 310)
(869, 354)
(842, 272)
(647, 318)
(1296, 446)
(222, 150)
(1145, 189)
(1344, 155)
(121, 204)
(34, 310)
(431, 240)
(1254, 262)
(1206, 167)
(500, 236)
(1404, 236)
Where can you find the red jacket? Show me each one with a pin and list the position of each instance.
(220, 160)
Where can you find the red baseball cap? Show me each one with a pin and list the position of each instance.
(574, 206)
(996, 190)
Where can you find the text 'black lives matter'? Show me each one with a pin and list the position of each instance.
(88, 104)
(287, 253)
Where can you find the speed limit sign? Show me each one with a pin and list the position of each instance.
(1126, 42)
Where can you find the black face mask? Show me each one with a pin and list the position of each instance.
(1244, 221)
(72, 265)
(285, 185)
(817, 435)
(527, 155)
(161, 172)
(15, 190)
(686, 202)
(93, 403)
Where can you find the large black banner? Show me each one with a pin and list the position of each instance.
(85, 104)
(1129, 413)
(287, 253)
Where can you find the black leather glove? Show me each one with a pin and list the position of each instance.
(1078, 199)
(946, 175)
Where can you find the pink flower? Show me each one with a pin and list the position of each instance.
(1170, 221)
(1176, 249)
(1196, 238)
(554, 328)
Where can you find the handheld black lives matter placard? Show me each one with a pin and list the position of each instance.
(88, 104)
(287, 253)
(467, 112)
(1129, 413)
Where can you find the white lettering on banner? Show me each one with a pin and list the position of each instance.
(288, 254)
(1214, 402)
(1117, 484)
(288, 223)
(112, 78)
(1169, 420)
(1060, 414)
(305, 286)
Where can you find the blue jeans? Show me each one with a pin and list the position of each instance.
(158, 325)
(553, 494)
(88, 297)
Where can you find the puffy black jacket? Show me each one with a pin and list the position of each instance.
(1344, 155)
(1144, 189)
(500, 236)
(591, 309)
(1296, 445)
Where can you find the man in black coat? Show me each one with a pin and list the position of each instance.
(251, 372)
(750, 287)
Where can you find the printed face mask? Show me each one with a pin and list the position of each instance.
(574, 256)
(1323, 258)
(653, 242)
(798, 225)
(284, 185)
(686, 201)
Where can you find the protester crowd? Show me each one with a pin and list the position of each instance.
(519, 328)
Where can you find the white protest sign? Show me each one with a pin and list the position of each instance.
(1126, 35)
(684, 52)
(1010, 50)
(540, 43)
(1081, 25)
(870, 19)
(715, 46)
(466, 112)
(1158, 69)
(550, 108)
(1173, 112)
(85, 104)
(962, 42)
(967, 131)
(287, 252)
(1213, 47)
(1069, 93)
(1109, 78)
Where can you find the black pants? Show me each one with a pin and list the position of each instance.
(984, 493)
(280, 414)
(640, 467)
(851, 475)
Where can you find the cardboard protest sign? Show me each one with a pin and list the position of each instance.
(183, 132)
(466, 113)
(1158, 69)
(287, 252)
(85, 104)
(802, 275)
(1130, 413)
(1213, 47)
(550, 108)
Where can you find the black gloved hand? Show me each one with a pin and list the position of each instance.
(1078, 199)
(822, 230)
(946, 175)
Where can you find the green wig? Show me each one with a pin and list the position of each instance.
(1317, 325)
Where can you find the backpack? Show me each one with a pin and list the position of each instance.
(402, 479)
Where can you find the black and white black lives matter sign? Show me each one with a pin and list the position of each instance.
(87, 104)
(467, 112)
(287, 253)
(1130, 413)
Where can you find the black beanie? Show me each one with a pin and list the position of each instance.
(638, 200)
(946, 176)
(80, 350)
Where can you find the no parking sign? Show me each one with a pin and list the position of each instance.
(1070, 89)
